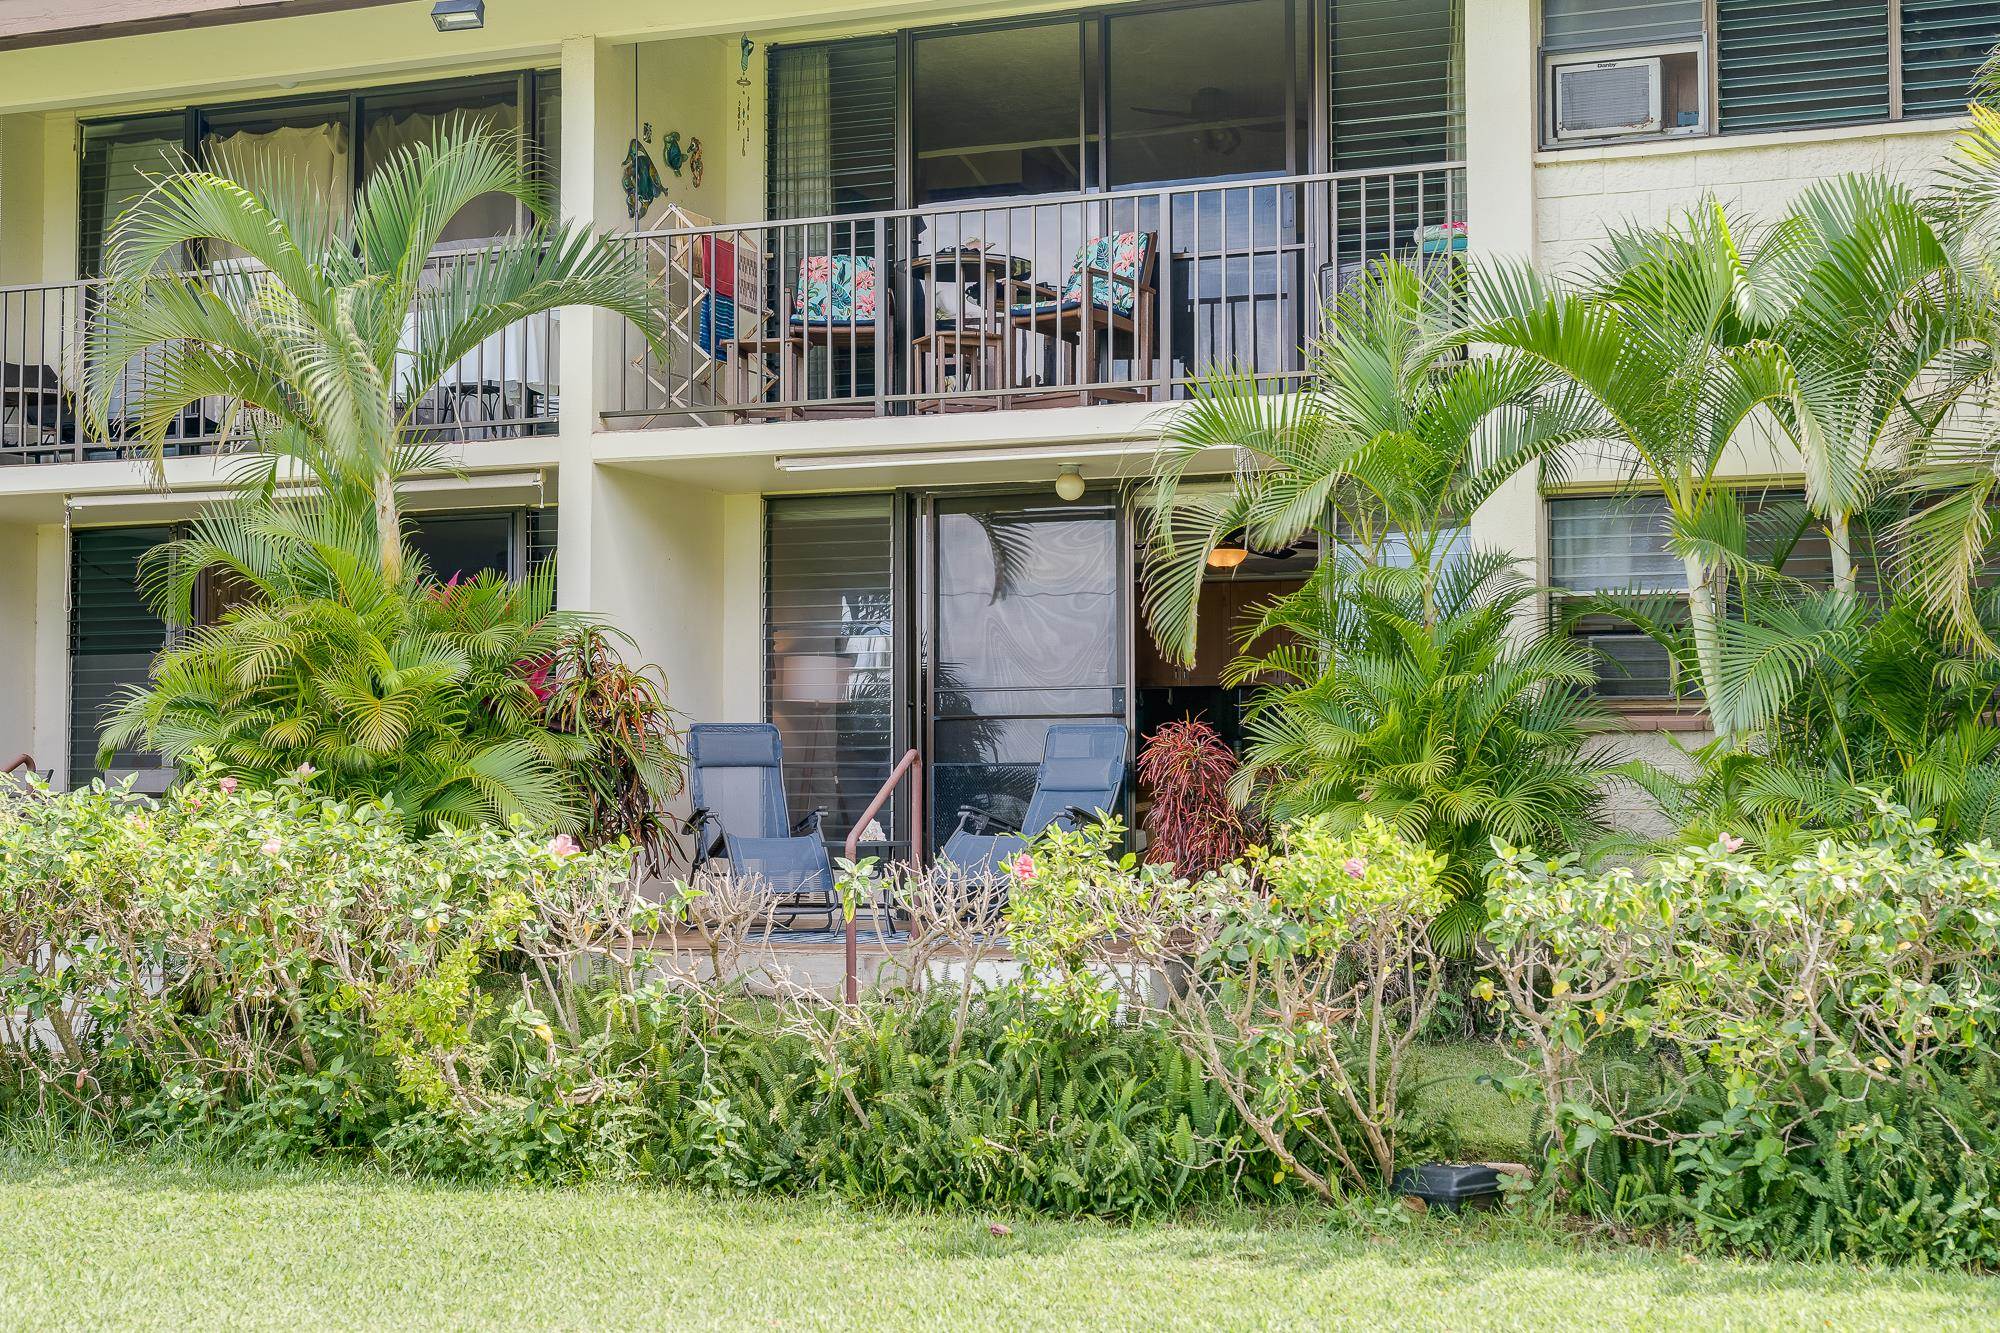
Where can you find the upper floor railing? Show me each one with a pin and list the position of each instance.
(505, 388)
(1124, 296)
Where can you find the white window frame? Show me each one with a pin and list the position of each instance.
(1551, 60)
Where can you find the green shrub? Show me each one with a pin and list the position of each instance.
(291, 970)
(1817, 1033)
(876, 1105)
(1298, 980)
(279, 975)
(415, 690)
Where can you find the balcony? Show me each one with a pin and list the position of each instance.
(1128, 296)
(505, 390)
(1049, 301)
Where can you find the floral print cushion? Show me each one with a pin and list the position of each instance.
(1114, 263)
(835, 289)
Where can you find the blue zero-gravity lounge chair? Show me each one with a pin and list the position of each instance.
(737, 783)
(1083, 767)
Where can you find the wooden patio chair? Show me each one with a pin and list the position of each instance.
(838, 304)
(1120, 300)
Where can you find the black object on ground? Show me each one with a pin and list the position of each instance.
(1450, 1187)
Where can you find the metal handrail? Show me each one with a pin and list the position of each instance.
(506, 387)
(1230, 272)
(1055, 200)
(911, 762)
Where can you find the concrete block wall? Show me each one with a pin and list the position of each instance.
(1581, 194)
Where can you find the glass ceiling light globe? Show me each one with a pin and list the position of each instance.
(1069, 483)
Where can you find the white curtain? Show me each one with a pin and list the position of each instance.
(311, 159)
(802, 137)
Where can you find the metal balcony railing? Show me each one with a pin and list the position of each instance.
(1123, 296)
(505, 389)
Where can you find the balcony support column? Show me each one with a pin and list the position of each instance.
(596, 120)
(1500, 131)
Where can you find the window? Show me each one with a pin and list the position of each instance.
(393, 122)
(830, 652)
(1616, 25)
(1634, 68)
(1135, 96)
(325, 144)
(833, 128)
(1782, 64)
(1395, 83)
(1944, 43)
(113, 635)
(1202, 94)
(1612, 544)
(118, 157)
(1623, 544)
(464, 546)
(301, 147)
(999, 112)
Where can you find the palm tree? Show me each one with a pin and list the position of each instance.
(1874, 336)
(1435, 715)
(1971, 200)
(414, 691)
(1945, 541)
(334, 326)
(1395, 438)
(1665, 339)
(323, 335)
(1845, 700)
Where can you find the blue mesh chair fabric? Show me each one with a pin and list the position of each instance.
(736, 778)
(1082, 770)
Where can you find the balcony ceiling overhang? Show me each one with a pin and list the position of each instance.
(1111, 443)
(60, 55)
(29, 23)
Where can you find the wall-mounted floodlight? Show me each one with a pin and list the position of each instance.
(458, 15)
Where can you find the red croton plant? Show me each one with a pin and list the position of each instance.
(1185, 767)
(636, 763)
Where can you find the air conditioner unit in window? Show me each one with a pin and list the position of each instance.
(1601, 99)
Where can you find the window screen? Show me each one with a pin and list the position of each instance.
(1616, 25)
(1944, 42)
(1786, 63)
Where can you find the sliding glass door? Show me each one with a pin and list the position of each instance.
(964, 624)
(1026, 624)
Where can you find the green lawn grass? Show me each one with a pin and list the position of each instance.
(1490, 1126)
(96, 1242)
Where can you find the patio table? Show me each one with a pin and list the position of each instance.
(971, 348)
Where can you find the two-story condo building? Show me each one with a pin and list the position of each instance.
(919, 260)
